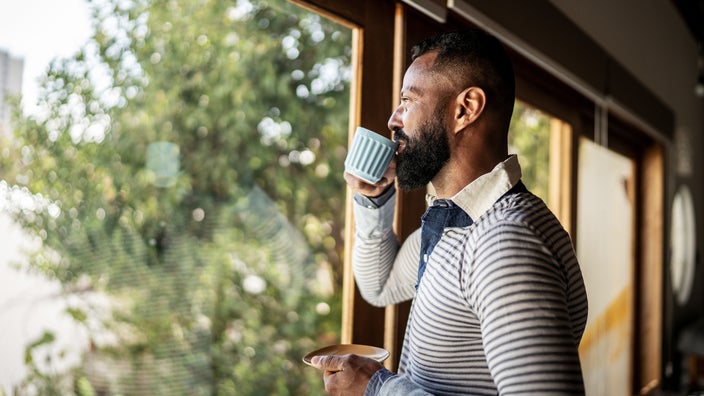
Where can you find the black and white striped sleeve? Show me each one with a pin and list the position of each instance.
(385, 272)
(519, 292)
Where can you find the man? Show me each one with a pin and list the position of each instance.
(499, 304)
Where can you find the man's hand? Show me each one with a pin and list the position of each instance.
(346, 375)
(372, 190)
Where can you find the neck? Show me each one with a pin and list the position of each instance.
(463, 169)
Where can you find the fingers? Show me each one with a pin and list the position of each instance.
(347, 374)
(367, 189)
(327, 362)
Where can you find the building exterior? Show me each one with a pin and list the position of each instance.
(11, 69)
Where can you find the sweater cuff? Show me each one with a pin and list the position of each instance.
(375, 202)
(376, 382)
(373, 221)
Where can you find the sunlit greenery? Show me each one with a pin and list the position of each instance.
(187, 164)
(529, 137)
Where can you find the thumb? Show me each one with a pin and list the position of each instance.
(327, 362)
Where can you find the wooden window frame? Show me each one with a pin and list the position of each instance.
(385, 29)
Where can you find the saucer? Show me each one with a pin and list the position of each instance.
(368, 351)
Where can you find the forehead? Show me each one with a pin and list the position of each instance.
(420, 78)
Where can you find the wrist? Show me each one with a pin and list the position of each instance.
(376, 381)
(381, 199)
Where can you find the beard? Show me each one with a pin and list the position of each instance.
(424, 155)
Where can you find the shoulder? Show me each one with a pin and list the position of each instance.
(522, 214)
(518, 234)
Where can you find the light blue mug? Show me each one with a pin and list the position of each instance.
(370, 154)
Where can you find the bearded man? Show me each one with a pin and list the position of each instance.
(499, 304)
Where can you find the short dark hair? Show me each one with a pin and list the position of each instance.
(475, 58)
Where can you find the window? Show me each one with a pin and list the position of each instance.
(543, 144)
(193, 212)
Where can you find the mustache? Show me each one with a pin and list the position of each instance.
(399, 135)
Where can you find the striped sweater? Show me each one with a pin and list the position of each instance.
(501, 306)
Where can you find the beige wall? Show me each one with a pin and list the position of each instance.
(650, 39)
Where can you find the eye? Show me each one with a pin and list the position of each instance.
(405, 99)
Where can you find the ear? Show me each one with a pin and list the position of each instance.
(469, 105)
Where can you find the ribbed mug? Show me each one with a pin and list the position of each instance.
(369, 155)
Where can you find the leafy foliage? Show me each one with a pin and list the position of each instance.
(187, 164)
(529, 137)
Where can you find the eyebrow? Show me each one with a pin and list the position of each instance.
(412, 89)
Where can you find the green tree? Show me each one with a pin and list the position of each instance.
(529, 137)
(188, 165)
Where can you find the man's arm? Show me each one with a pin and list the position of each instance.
(385, 273)
(518, 290)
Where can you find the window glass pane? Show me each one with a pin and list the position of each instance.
(184, 187)
(529, 137)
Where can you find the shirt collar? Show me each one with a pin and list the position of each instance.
(481, 194)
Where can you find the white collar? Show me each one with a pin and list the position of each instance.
(481, 194)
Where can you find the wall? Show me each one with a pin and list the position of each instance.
(651, 41)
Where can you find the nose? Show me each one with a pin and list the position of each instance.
(395, 121)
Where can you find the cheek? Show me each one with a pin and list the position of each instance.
(411, 120)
